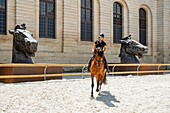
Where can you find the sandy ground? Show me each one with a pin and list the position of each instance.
(122, 94)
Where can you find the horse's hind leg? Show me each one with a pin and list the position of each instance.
(104, 77)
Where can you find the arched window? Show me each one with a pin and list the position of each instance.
(3, 17)
(86, 20)
(117, 22)
(142, 26)
(47, 19)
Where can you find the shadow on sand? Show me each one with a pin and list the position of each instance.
(107, 99)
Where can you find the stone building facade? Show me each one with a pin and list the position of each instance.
(67, 45)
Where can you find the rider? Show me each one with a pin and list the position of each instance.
(99, 43)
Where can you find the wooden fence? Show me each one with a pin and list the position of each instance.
(45, 66)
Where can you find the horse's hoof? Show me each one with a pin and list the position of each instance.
(105, 81)
(97, 90)
(99, 94)
(91, 97)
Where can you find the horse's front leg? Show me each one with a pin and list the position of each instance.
(92, 85)
(101, 81)
(100, 87)
(97, 89)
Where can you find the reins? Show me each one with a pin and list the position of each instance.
(98, 62)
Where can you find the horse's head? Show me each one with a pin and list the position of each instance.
(99, 52)
(24, 41)
(133, 47)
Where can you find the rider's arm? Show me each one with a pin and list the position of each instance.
(104, 49)
(93, 47)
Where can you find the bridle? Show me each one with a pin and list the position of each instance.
(98, 62)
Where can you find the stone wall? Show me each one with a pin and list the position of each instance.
(166, 31)
(67, 46)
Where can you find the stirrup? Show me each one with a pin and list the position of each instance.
(108, 70)
(85, 70)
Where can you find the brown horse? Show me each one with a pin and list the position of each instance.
(97, 68)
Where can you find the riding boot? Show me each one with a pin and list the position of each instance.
(106, 65)
(89, 64)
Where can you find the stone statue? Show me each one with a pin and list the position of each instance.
(130, 49)
(24, 45)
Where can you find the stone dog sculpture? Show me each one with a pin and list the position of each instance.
(24, 45)
(130, 49)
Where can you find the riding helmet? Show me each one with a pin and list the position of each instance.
(101, 35)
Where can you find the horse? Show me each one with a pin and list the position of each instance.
(24, 45)
(97, 69)
(130, 50)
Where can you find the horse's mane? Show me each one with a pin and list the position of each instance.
(99, 51)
